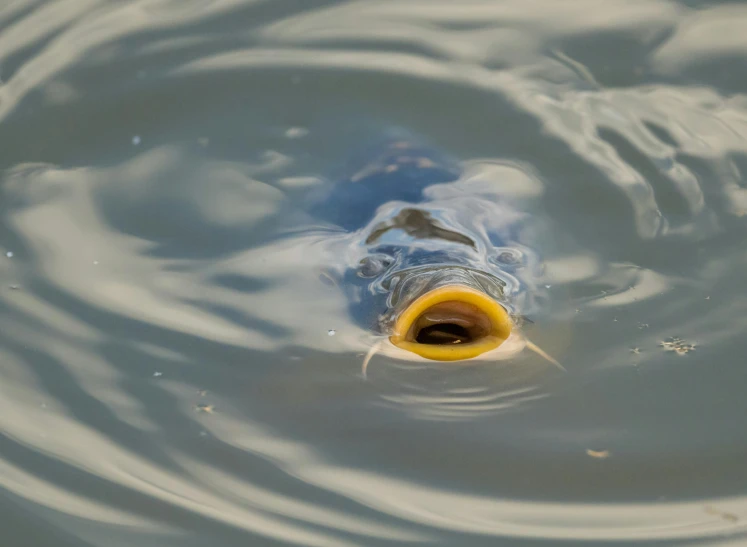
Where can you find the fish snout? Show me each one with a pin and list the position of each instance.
(451, 323)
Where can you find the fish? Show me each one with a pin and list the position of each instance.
(433, 269)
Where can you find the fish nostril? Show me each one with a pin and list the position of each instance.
(371, 266)
(442, 334)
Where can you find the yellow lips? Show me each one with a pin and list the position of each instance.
(481, 322)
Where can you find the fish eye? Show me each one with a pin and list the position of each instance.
(508, 257)
(373, 265)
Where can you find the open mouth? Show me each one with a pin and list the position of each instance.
(451, 323)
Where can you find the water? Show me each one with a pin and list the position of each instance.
(168, 373)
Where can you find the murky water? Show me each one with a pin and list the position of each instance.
(174, 372)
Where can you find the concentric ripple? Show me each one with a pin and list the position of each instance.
(174, 370)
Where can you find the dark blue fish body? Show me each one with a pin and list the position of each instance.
(396, 171)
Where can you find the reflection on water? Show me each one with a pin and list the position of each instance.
(167, 373)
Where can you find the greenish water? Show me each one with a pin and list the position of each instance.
(168, 374)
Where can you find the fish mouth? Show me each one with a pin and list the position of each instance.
(451, 323)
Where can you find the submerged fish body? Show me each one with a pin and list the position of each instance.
(437, 269)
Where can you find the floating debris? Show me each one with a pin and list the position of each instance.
(677, 345)
(15, 287)
(723, 514)
(635, 351)
(203, 141)
(202, 407)
(202, 392)
(642, 326)
(331, 332)
(136, 140)
(157, 374)
(598, 454)
(95, 262)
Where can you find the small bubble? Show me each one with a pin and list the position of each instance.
(95, 262)
(157, 374)
(202, 407)
(548, 286)
(296, 132)
(331, 332)
(136, 140)
(15, 287)
(9, 254)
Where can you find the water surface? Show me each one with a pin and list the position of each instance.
(168, 373)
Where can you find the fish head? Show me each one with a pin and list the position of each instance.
(432, 289)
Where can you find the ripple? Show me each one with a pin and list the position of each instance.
(168, 373)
